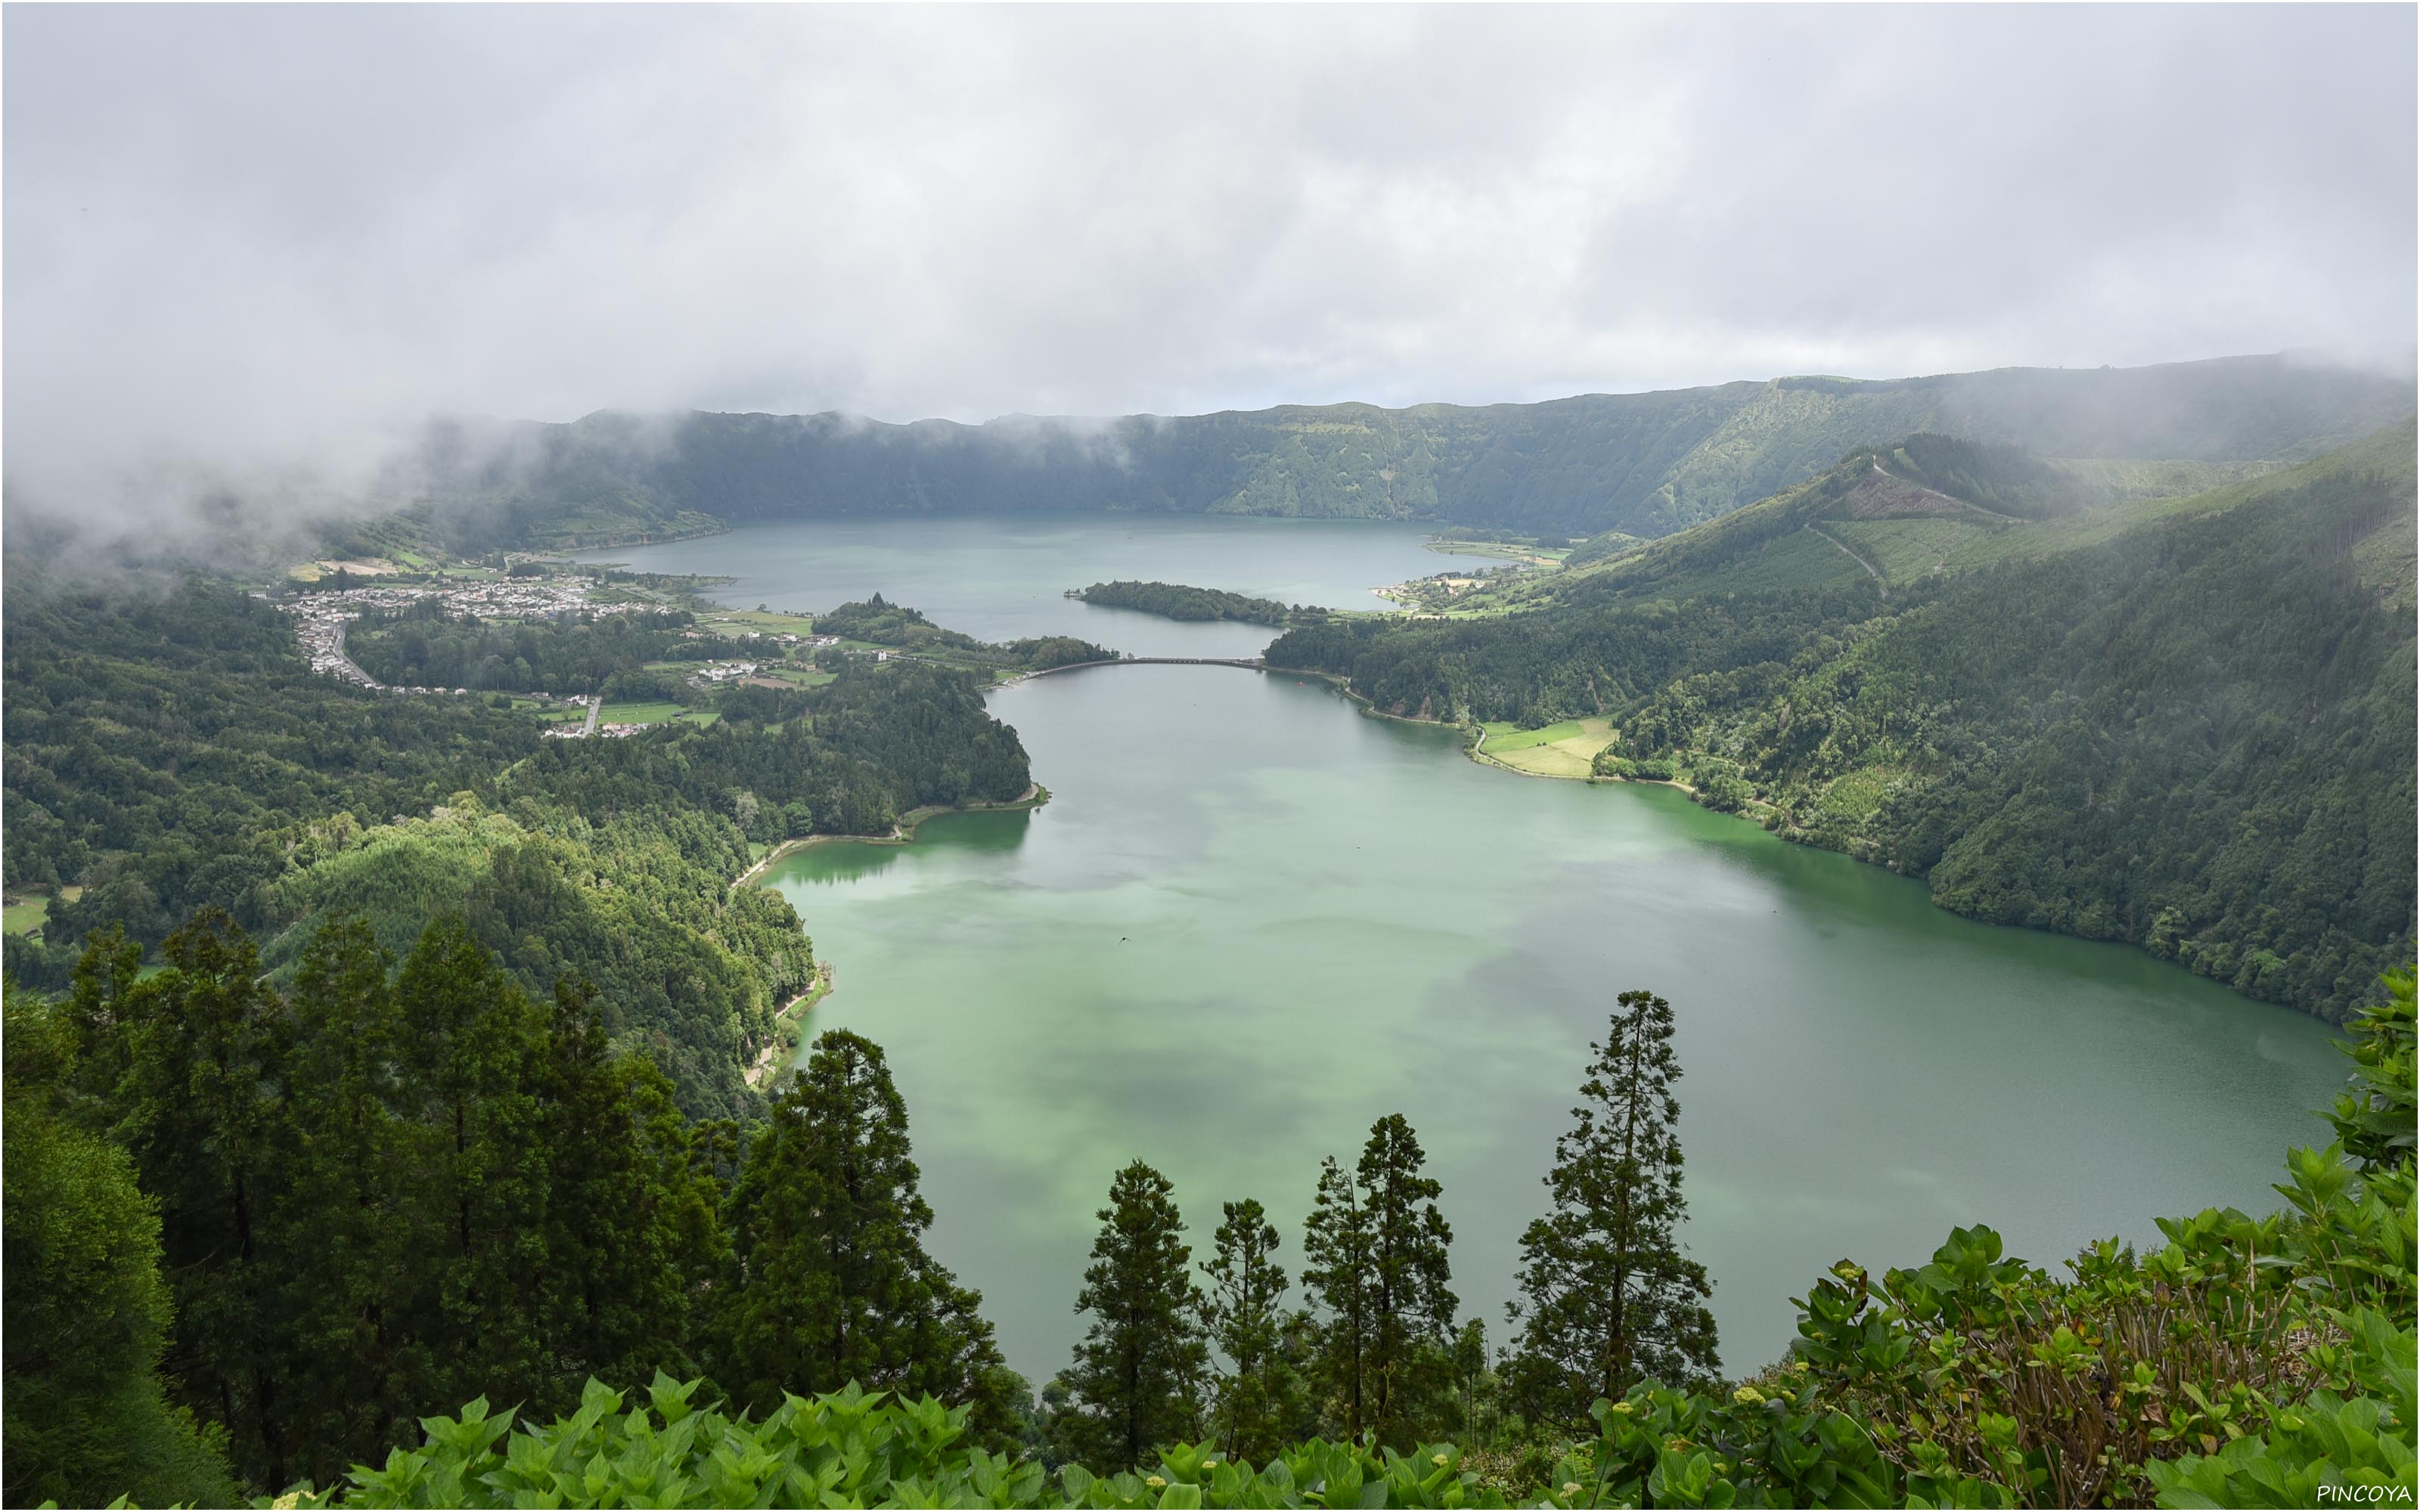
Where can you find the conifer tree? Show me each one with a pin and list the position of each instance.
(1411, 1310)
(354, 1182)
(205, 1052)
(1259, 1397)
(86, 1415)
(474, 1044)
(1336, 1244)
(1469, 1369)
(1608, 1298)
(832, 1284)
(1378, 1266)
(631, 1225)
(1137, 1377)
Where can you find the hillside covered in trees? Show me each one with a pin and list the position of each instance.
(1645, 464)
(2186, 724)
(423, 646)
(310, 1214)
(170, 750)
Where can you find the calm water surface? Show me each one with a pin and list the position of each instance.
(1252, 921)
(1002, 579)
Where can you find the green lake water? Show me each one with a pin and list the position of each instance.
(1002, 578)
(1253, 920)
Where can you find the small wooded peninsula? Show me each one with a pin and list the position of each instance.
(1177, 601)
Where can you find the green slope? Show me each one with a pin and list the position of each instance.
(2183, 723)
(1645, 464)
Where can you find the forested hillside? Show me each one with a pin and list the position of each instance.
(313, 1215)
(1646, 464)
(2185, 724)
(169, 751)
(423, 646)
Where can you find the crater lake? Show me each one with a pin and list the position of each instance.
(1252, 920)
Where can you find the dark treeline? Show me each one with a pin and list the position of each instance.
(173, 753)
(2192, 733)
(392, 1185)
(423, 647)
(1176, 601)
(396, 1184)
(255, 1235)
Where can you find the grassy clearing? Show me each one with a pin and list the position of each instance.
(1800, 559)
(801, 676)
(1546, 556)
(1906, 550)
(1565, 749)
(657, 713)
(1855, 795)
(1504, 737)
(25, 917)
(770, 621)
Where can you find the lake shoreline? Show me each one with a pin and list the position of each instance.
(1478, 736)
(789, 1028)
(1253, 892)
(903, 829)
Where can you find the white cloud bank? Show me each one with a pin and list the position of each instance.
(275, 237)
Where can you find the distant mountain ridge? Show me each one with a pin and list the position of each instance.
(1644, 464)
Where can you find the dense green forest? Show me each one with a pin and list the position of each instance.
(1178, 602)
(303, 1215)
(423, 646)
(1646, 463)
(2186, 724)
(171, 751)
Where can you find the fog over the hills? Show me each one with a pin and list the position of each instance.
(260, 243)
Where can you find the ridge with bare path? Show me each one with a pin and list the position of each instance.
(1853, 555)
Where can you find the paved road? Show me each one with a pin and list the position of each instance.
(595, 707)
(338, 648)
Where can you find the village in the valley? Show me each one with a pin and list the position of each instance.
(323, 617)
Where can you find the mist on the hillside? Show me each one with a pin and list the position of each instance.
(252, 252)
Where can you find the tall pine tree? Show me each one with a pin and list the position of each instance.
(1608, 1298)
(1136, 1378)
(1336, 1245)
(1378, 1266)
(204, 1050)
(356, 1182)
(474, 1049)
(1260, 1396)
(832, 1284)
(86, 1415)
(631, 1225)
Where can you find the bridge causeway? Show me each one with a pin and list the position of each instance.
(1247, 663)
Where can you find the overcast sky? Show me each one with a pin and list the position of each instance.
(248, 233)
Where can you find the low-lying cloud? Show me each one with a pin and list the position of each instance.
(251, 250)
